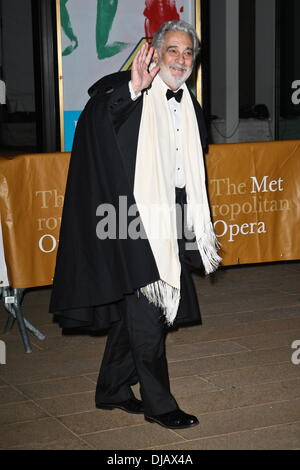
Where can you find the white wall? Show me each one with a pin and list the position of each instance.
(265, 55)
(217, 57)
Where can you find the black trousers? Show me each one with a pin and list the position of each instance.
(135, 348)
(135, 352)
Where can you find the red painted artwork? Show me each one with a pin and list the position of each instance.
(157, 12)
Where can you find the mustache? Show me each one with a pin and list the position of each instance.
(179, 67)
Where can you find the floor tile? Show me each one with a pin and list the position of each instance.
(17, 412)
(223, 332)
(179, 352)
(68, 404)
(100, 420)
(239, 397)
(135, 437)
(62, 444)
(269, 341)
(10, 395)
(286, 437)
(189, 386)
(52, 388)
(203, 365)
(252, 316)
(41, 431)
(253, 375)
(240, 419)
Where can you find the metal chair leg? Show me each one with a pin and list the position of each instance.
(14, 309)
(19, 294)
(23, 331)
(9, 323)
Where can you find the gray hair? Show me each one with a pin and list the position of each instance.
(180, 26)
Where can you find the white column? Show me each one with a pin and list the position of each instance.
(265, 56)
(232, 68)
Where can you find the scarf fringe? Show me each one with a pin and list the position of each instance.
(164, 296)
(208, 246)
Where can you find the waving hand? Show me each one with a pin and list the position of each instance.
(141, 77)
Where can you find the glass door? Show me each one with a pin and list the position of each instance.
(17, 86)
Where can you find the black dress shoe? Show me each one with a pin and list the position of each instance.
(176, 419)
(133, 405)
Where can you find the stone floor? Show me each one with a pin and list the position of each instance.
(234, 372)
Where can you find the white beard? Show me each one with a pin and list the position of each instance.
(170, 80)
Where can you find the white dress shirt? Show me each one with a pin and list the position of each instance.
(175, 110)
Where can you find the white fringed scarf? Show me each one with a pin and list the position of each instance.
(154, 191)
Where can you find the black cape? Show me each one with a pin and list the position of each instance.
(92, 275)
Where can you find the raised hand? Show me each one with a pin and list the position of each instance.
(141, 77)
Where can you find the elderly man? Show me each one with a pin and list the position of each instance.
(139, 138)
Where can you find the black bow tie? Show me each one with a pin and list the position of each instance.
(171, 94)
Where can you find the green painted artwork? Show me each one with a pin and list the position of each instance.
(67, 28)
(106, 11)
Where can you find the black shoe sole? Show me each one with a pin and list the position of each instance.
(106, 407)
(153, 420)
(113, 407)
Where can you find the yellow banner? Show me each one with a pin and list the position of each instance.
(253, 190)
(32, 191)
(254, 196)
